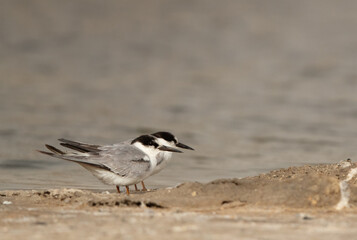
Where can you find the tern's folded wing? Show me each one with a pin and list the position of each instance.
(125, 160)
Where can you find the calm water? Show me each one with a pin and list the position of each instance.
(251, 86)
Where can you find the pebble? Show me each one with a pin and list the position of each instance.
(6, 202)
(304, 216)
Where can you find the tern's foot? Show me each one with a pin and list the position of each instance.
(144, 189)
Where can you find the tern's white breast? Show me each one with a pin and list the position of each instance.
(163, 158)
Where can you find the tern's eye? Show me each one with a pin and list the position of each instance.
(154, 144)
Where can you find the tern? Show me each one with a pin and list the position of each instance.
(120, 164)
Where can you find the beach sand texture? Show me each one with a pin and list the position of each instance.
(296, 202)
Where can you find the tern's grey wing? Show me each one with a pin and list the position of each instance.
(86, 147)
(125, 160)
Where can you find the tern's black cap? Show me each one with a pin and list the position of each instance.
(146, 140)
(165, 135)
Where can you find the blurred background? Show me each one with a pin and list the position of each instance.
(251, 85)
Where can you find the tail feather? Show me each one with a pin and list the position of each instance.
(79, 149)
(73, 157)
(54, 150)
(78, 146)
(47, 153)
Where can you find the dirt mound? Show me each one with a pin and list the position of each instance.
(295, 187)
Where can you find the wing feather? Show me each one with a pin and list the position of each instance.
(79, 146)
(122, 159)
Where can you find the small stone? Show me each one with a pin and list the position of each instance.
(304, 216)
(193, 194)
(6, 202)
(78, 194)
(345, 164)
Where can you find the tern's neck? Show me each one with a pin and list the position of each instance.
(165, 155)
(149, 151)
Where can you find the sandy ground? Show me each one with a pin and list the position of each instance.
(295, 202)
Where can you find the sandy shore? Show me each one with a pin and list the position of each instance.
(310, 201)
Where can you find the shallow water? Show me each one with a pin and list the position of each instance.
(252, 86)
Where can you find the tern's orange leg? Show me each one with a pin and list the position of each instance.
(118, 189)
(136, 188)
(144, 188)
(127, 190)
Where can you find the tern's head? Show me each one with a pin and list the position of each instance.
(166, 138)
(151, 145)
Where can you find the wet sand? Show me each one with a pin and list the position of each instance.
(295, 202)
